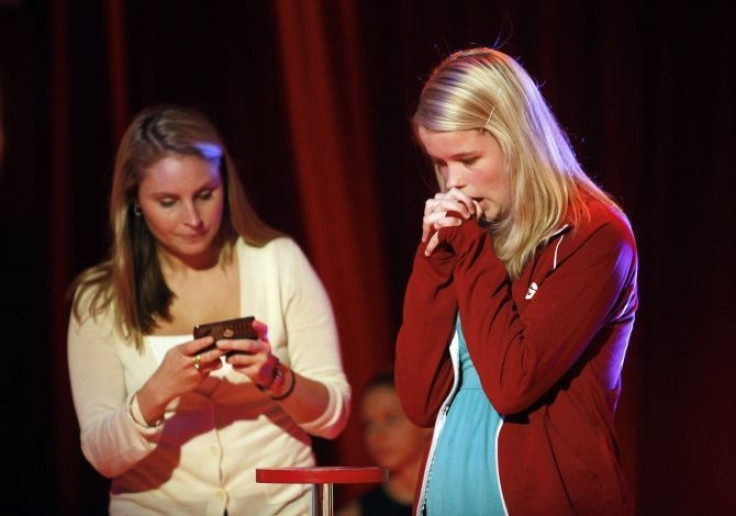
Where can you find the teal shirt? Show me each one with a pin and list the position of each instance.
(463, 477)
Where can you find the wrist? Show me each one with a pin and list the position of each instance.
(275, 382)
(285, 387)
(282, 382)
(276, 373)
(136, 412)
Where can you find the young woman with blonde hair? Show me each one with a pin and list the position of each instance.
(519, 308)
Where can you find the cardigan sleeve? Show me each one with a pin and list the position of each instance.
(312, 337)
(111, 440)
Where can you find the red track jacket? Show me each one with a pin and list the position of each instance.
(548, 347)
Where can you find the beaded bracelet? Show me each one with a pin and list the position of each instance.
(142, 420)
(288, 392)
(276, 373)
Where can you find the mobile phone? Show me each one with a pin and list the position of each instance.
(240, 328)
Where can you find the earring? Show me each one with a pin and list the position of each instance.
(136, 210)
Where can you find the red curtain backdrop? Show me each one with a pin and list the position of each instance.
(60, 268)
(335, 178)
(313, 98)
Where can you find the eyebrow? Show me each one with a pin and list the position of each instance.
(459, 155)
(211, 185)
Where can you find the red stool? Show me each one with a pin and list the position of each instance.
(322, 480)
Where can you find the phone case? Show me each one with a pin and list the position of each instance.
(241, 328)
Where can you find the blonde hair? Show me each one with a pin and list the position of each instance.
(130, 281)
(485, 89)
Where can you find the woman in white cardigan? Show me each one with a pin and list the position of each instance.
(177, 424)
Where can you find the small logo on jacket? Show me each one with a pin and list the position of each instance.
(532, 290)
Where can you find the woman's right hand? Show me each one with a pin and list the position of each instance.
(183, 368)
(186, 365)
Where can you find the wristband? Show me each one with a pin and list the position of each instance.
(135, 412)
(276, 373)
(289, 391)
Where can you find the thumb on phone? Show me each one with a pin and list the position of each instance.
(261, 329)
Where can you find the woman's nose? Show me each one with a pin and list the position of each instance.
(453, 178)
(191, 215)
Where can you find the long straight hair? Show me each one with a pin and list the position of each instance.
(487, 90)
(130, 282)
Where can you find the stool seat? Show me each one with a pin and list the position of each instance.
(321, 475)
(322, 478)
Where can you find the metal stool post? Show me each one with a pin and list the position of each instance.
(322, 499)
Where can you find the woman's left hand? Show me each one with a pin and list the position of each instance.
(251, 357)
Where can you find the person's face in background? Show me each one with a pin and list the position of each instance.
(182, 200)
(392, 441)
(473, 162)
